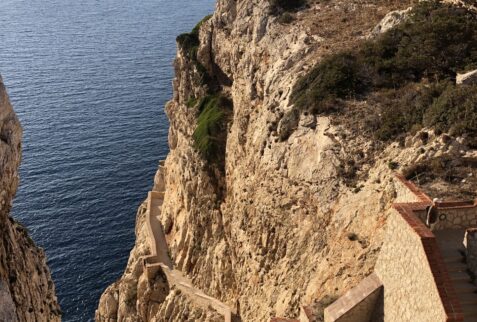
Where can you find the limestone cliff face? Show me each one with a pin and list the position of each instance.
(27, 292)
(277, 226)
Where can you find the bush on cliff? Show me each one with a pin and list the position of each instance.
(211, 131)
(189, 42)
(338, 76)
(286, 5)
(436, 42)
(403, 109)
(443, 106)
(455, 111)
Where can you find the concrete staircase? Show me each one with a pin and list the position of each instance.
(452, 250)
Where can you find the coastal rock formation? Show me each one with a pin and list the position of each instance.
(27, 292)
(292, 211)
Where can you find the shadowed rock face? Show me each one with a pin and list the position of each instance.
(7, 311)
(27, 292)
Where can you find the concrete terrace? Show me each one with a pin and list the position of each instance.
(159, 260)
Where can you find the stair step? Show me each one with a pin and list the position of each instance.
(456, 267)
(468, 289)
(468, 299)
(453, 258)
(469, 309)
(456, 279)
(451, 253)
(459, 276)
(470, 316)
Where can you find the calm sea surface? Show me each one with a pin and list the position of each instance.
(88, 80)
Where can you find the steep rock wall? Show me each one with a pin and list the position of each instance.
(277, 226)
(27, 292)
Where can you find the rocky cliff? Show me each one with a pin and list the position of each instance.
(27, 292)
(289, 208)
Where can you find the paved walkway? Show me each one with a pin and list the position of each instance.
(157, 238)
(452, 250)
(160, 257)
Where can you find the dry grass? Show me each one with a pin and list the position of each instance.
(343, 23)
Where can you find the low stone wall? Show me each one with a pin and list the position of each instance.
(358, 304)
(456, 215)
(452, 214)
(470, 242)
(406, 191)
(416, 282)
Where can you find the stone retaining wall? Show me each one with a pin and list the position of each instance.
(452, 214)
(416, 283)
(456, 215)
(406, 191)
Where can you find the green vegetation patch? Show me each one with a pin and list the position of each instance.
(403, 109)
(443, 106)
(338, 76)
(189, 42)
(411, 69)
(211, 131)
(455, 111)
(287, 5)
(286, 18)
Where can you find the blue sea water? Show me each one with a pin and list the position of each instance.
(88, 80)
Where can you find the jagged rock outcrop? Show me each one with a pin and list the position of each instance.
(27, 292)
(391, 20)
(277, 225)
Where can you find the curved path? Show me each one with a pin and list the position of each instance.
(160, 259)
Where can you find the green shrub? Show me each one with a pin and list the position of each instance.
(211, 131)
(403, 109)
(285, 18)
(338, 76)
(393, 165)
(192, 102)
(286, 5)
(442, 106)
(189, 42)
(455, 111)
(436, 42)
